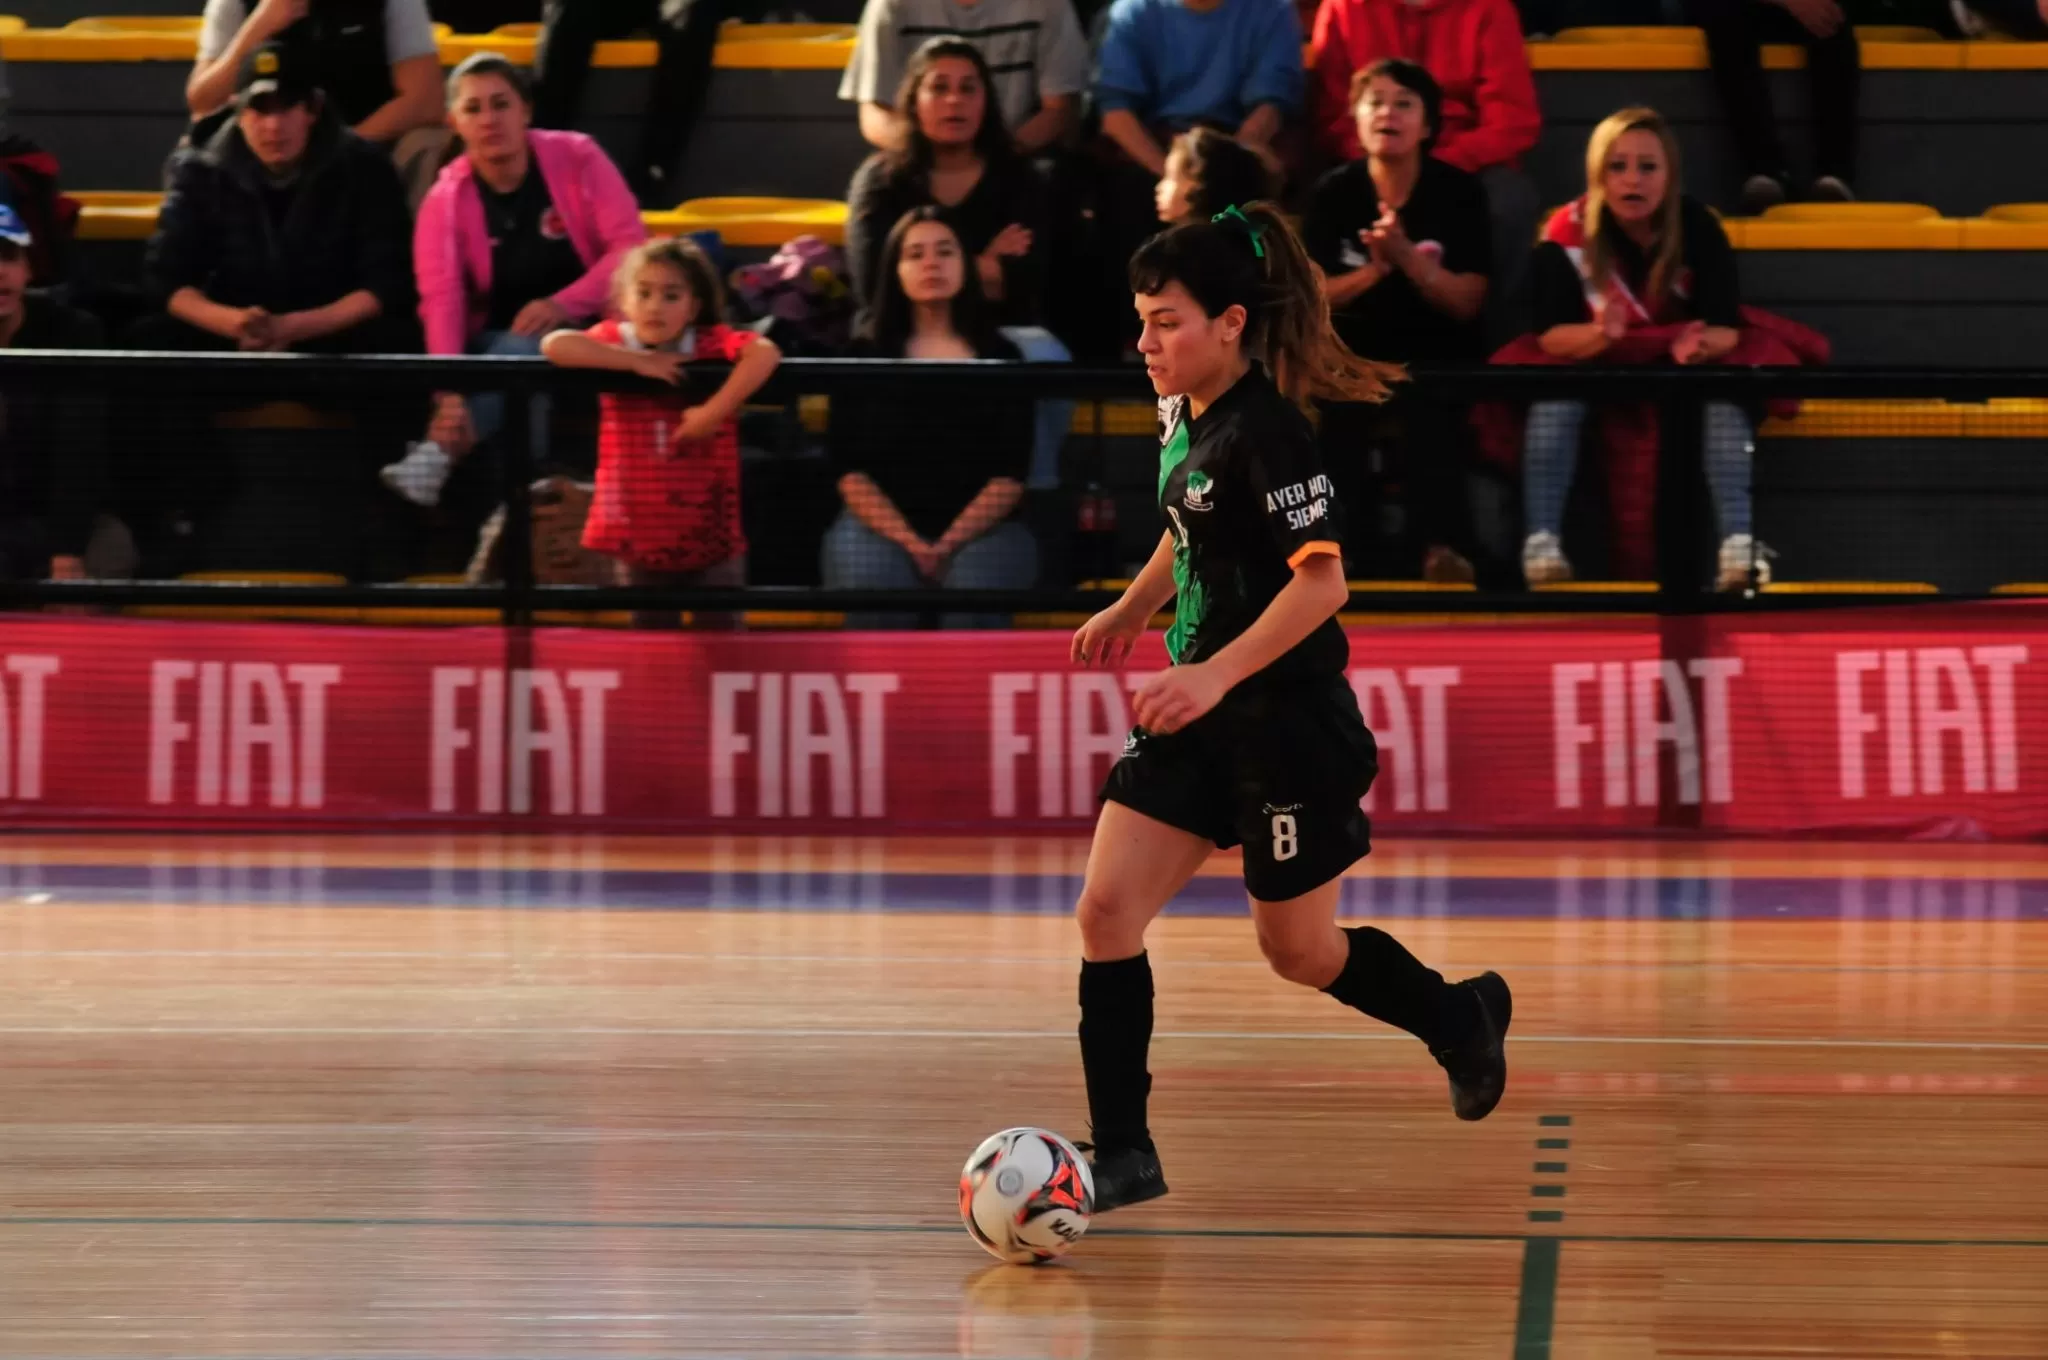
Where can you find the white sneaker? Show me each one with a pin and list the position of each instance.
(420, 475)
(1739, 552)
(1543, 559)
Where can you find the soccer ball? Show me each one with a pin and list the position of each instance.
(1026, 1195)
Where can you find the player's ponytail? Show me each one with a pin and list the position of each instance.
(1252, 258)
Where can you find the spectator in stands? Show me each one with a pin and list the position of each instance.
(1404, 241)
(54, 483)
(1635, 272)
(1171, 65)
(930, 483)
(286, 231)
(685, 36)
(1736, 31)
(377, 61)
(520, 237)
(1035, 47)
(2023, 19)
(667, 507)
(1489, 118)
(1206, 172)
(949, 151)
(1167, 67)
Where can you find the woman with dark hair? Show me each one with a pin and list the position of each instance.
(1253, 735)
(1206, 172)
(520, 237)
(1407, 244)
(930, 480)
(952, 153)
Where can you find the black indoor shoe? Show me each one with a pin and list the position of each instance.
(1124, 1176)
(1478, 1067)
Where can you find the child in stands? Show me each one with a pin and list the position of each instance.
(668, 474)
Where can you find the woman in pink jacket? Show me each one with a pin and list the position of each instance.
(518, 238)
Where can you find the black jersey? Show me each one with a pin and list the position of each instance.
(1245, 495)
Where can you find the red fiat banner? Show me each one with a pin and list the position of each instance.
(1928, 721)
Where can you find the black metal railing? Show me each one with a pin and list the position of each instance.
(1901, 475)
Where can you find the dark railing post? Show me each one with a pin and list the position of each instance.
(515, 544)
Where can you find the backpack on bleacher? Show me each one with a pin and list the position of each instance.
(801, 291)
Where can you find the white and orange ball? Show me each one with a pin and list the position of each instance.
(1026, 1195)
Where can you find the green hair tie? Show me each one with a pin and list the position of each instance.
(1235, 214)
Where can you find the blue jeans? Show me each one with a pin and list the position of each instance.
(1055, 415)
(487, 409)
(1550, 458)
(855, 557)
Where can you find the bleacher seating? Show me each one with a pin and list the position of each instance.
(1941, 120)
(1945, 276)
(1889, 283)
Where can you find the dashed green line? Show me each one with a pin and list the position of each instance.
(1546, 1192)
(1553, 1144)
(1552, 1168)
(1554, 1121)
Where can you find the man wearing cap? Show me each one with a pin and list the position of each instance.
(376, 59)
(53, 445)
(286, 231)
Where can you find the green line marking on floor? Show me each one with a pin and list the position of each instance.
(1546, 1215)
(1554, 1121)
(1553, 1144)
(1536, 1311)
(1552, 1168)
(1546, 1191)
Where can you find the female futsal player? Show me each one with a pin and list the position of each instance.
(1253, 736)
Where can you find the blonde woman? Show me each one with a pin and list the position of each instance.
(1635, 272)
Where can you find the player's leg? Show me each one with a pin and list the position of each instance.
(1308, 761)
(1135, 866)
(1463, 1023)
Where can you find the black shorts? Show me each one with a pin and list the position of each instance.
(1279, 769)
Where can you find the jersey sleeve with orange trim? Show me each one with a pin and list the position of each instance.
(1293, 493)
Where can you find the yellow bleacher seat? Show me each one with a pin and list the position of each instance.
(116, 214)
(2000, 418)
(1678, 48)
(442, 616)
(2022, 588)
(784, 47)
(1850, 588)
(1848, 226)
(1850, 212)
(1598, 588)
(248, 613)
(130, 215)
(794, 618)
(2009, 226)
(755, 222)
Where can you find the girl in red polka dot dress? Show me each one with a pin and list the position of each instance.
(668, 471)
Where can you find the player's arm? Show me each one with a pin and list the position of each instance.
(1107, 639)
(1176, 697)
(1303, 605)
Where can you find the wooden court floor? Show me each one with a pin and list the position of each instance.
(455, 1097)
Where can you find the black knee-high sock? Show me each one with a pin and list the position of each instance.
(1116, 1032)
(1385, 981)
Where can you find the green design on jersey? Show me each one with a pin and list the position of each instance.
(1190, 602)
